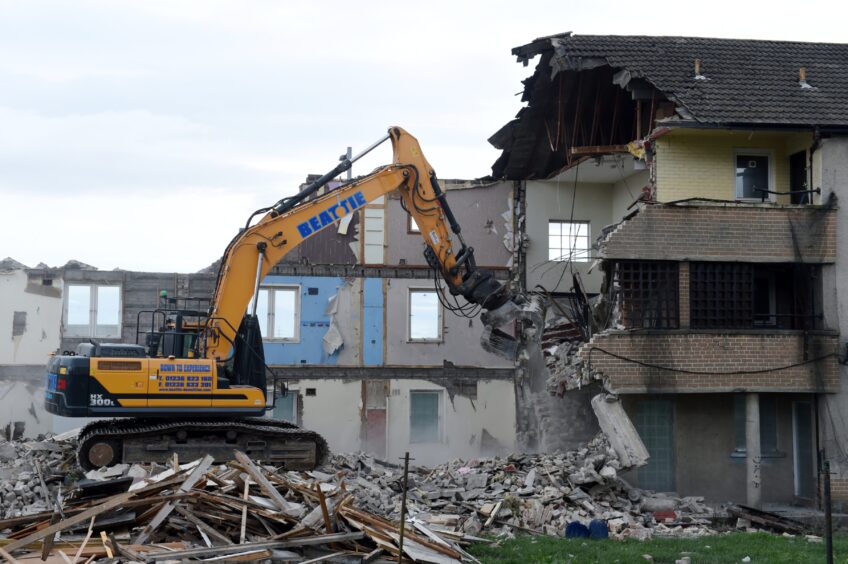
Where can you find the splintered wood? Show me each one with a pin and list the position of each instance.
(238, 512)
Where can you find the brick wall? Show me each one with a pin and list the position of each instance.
(720, 232)
(722, 352)
(683, 292)
(838, 493)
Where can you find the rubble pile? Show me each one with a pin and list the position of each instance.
(232, 512)
(536, 494)
(349, 507)
(566, 370)
(32, 473)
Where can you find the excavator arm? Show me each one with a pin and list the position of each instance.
(257, 248)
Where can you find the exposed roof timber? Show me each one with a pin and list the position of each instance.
(599, 150)
(737, 84)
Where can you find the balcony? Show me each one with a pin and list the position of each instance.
(709, 361)
(697, 230)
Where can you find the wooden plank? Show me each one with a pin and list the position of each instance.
(47, 544)
(598, 149)
(328, 525)
(247, 556)
(85, 541)
(237, 548)
(124, 551)
(104, 540)
(324, 558)
(189, 483)
(8, 557)
(110, 503)
(203, 525)
(267, 487)
(244, 512)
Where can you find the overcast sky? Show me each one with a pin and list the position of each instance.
(141, 134)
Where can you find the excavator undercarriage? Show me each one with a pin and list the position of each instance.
(113, 441)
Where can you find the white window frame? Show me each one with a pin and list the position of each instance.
(440, 416)
(587, 257)
(271, 288)
(755, 152)
(92, 310)
(368, 236)
(409, 338)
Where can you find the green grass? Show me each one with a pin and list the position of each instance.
(732, 547)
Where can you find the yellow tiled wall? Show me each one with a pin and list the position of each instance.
(701, 163)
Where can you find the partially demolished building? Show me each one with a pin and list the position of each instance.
(720, 289)
(350, 319)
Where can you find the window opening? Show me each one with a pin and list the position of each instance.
(568, 240)
(768, 426)
(424, 416)
(278, 311)
(753, 175)
(649, 294)
(749, 296)
(425, 316)
(93, 310)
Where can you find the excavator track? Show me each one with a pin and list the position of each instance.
(113, 441)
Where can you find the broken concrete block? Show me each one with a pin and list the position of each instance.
(620, 431)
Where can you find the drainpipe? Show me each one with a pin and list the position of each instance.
(813, 148)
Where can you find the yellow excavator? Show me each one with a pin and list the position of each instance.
(198, 384)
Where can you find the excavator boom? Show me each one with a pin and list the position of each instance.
(198, 382)
(252, 254)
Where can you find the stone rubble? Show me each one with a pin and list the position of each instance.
(21, 489)
(529, 493)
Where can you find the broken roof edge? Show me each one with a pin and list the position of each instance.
(546, 43)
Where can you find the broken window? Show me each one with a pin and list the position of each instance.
(648, 293)
(753, 174)
(93, 310)
(425, 315)
(424, 416)
(278, 311)
(19, 323)
(568, 240)
(725, 295)
(374, 238)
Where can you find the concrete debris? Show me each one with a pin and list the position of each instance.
(620, 430)
(520, 494)
(32, 475)
(351, 505)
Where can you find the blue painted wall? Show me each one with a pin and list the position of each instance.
(313, 322)
(372, 330)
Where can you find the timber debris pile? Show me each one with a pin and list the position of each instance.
(349, 508)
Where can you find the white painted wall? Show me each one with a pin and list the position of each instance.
(552, 200)
(462, 421)
(831, 173)
(43, 307)
(334, 413)
(460, 343)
